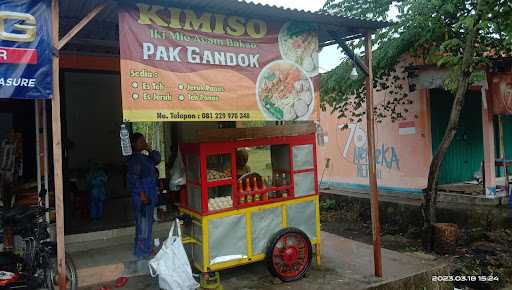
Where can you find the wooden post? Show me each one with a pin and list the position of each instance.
(489, 146)
(57, 150)
(372, 166)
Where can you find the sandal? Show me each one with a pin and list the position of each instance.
(121, 282)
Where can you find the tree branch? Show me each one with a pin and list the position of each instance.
(430, 193)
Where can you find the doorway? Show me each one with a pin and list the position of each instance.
(93, 113)
(464, 157)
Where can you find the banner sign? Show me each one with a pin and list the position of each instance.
(501, 89)
(187, 65)
(25, 49)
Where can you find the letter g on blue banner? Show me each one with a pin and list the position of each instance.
(25, 49)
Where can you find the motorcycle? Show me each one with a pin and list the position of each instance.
(33, 263)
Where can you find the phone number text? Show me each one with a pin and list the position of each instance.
(207, 116)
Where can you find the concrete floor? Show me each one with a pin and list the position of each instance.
(346, 264)
(117, 214)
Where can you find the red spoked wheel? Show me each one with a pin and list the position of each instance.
(289, 254)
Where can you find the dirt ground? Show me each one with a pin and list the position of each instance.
(480, 251)
(346, 265)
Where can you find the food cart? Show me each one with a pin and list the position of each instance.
(238, 220)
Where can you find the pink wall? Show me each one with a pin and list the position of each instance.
(403, 148)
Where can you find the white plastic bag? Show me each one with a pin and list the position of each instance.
(171, 264)
(178, 176)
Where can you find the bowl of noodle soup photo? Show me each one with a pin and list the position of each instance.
(284, 92)
(298, 43)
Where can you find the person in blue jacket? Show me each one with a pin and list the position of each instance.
(142, 182)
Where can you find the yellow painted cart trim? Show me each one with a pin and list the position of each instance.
(206, 257)
(317, 243)
(203, 221)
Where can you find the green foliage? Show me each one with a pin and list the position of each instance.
(327, 204)
(431, 30)
(368, 9)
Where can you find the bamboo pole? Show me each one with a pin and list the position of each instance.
(37, 112)
(57, 150)
(77, 28)
(45, 160)
(372, 166)
(42, 152)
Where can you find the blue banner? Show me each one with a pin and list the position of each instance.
(25, 49)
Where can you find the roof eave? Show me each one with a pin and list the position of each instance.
(351, 27)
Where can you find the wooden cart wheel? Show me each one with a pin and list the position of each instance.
(289, 254)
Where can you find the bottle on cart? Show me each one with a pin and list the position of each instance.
(277, 183)
(264, 196)
(284, 182)
(257, 196)
(269, 185)
(247, 185)
(284, 179)
(256, 184)
(264, 187)
(241, 192)
(126, 146)
(277, 180)
(248, 190)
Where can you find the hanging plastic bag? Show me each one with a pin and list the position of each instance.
(171, 264)
(178, 176)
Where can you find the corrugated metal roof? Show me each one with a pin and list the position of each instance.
(245, 7)
(104, 26)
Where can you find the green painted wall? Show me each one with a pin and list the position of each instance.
(507, 136)
(466, 152)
